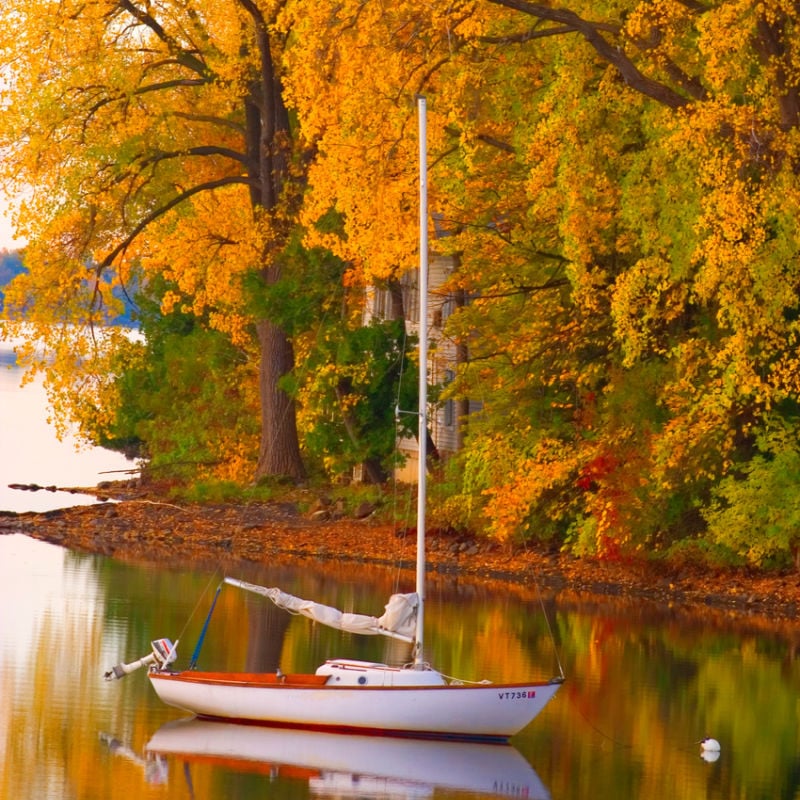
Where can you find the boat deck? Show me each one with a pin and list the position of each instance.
(246, 678)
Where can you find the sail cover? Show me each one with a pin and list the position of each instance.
(399, 620)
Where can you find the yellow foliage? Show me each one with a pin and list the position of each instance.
(599, 231)
(126, 126)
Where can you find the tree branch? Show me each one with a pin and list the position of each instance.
(200, 150)
(527, 36)
(184, 57)
(157, 87)
(494, 142)
(162, 210)
(610, 53)
(225, 123)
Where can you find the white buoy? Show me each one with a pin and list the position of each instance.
(709, 750)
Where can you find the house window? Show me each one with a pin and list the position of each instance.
(381, 304)
(450, 405)
(448, 307)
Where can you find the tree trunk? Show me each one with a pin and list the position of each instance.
(279, 450)
(268, 145)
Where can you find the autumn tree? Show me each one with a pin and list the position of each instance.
(660, 154)
(618, 183)
(471, 63)
(671, 181)
(153, 140)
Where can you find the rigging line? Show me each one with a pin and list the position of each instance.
(595, 728)
(204, 631)
(395, 531)
(199, 600)
(400, 536)
(616, 742)
(187, 776)
(549, 626)
(463, 681)
(402, 369)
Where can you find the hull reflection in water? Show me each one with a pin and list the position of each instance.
(343, 764)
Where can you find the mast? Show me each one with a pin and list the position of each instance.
(423, 376)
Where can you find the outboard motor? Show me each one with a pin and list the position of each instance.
(164, 652)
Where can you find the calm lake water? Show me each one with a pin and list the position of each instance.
(644, 684)
(31, 453)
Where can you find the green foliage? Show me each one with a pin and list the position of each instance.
(197, 408)
(210, 491)
(356, 378)
(756, 511)
(309, 290)
(184, 401)
(702, 552)
(456, 497)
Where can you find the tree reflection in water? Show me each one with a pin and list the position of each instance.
(644, 684)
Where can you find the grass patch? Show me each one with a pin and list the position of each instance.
(388, 503)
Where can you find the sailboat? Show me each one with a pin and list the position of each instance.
(355, 696)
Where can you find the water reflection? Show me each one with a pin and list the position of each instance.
(352, 765)
(53, 636)
(643, 687)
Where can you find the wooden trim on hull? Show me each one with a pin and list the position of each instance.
(250, 679)
(269, 680)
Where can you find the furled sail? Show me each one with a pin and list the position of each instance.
(398, 621)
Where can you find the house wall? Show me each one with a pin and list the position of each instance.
(443, 419)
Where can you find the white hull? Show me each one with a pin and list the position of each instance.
(474, 711)
(396, 767)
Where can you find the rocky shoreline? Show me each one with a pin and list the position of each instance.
(136, 526)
